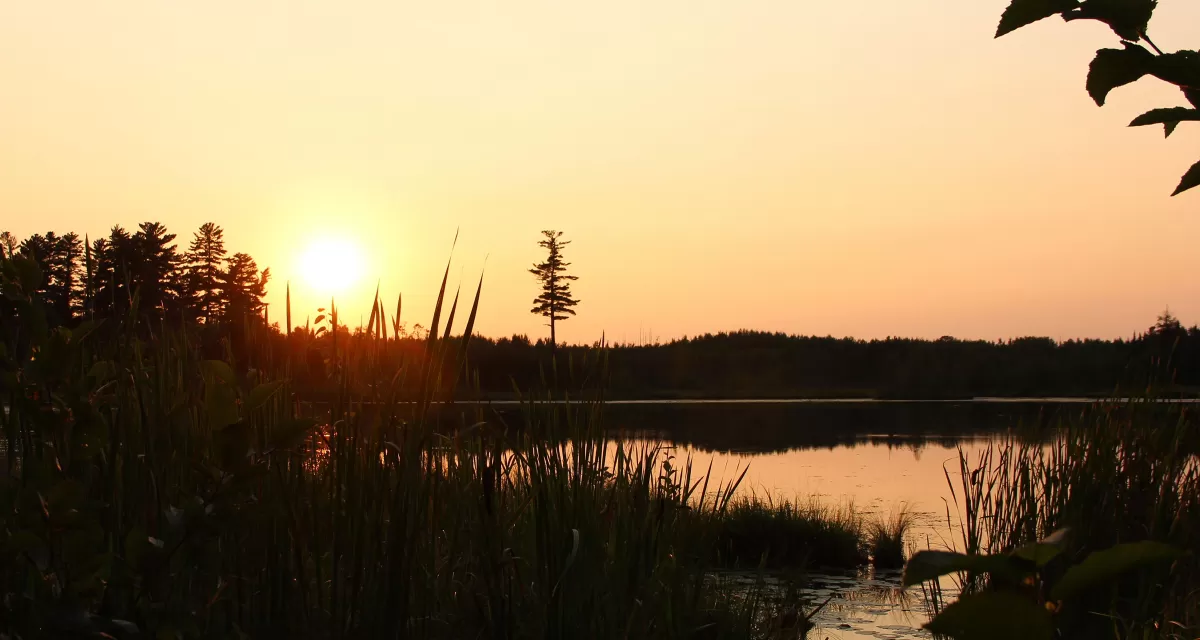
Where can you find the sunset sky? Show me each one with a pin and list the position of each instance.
(871, 168)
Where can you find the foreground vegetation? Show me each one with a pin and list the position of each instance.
(152, 490)
(1093, 535)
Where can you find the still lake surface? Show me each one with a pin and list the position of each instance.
(876, 455)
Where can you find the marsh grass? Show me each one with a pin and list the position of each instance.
(775, 533)
(149, 486)
(886, 538)
(1121, 471)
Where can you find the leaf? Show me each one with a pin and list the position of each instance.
(928, 565)
(263, 392)
(1190, 179)
(1038, 553)
(1192, 95)
(1112, 68)
(993, 615)
(1102, 567)
(291, 433)
(1180, 68)
(1169, 118)
(220, 371)
(1127, 18)
(1022, 12)
(1163, 116)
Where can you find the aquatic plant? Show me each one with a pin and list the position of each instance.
(887, 538)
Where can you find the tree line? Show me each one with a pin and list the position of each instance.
(754, 364)
(82, 278)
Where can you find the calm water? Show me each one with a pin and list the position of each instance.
(877, 456)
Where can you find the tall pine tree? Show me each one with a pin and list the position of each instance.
(204, 273)
(555, 302)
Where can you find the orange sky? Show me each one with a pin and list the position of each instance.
(870, 168)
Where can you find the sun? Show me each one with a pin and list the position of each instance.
(332, 265)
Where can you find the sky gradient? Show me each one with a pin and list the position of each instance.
(867, 169)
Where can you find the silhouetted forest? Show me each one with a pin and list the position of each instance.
(750, 364)
(220, 296)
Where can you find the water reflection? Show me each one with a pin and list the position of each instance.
(874, 456)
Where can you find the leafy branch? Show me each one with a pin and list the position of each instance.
(1112, 68)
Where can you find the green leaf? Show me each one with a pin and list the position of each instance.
(928, 565)
(1127, 18)
(263, 392)
(1112, 68)
(1038, 553)
(1022, 12)
(1190, 179)
(993, 615)
(220, 371)
(1102, 567)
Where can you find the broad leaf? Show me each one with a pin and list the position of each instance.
(291, 433)
(1127, 18)
(993, 615)
(1022, 12)
(928, 565)
(1190, 179)
(263, 392)
(221, 371)
(1038, 553)
(1180, 68)
(1112, 68)
(1102, 567)
(1169, 118)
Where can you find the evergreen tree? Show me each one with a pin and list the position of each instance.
(204, 258)
(243, 288)
(153, 269)
(110, 281)
(8, 244)
(555, 301)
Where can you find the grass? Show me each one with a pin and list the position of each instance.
(783, 534)
(887, 537)
(151, 488)
(1123, 471)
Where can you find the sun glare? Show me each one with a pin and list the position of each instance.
(332, 265)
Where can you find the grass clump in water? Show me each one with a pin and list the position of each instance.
(778, 534)
(886, 539)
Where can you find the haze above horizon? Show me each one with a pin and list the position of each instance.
(868, 169)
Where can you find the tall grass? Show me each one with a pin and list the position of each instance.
(887, 537)
(1124, 471)
(149, 489)
(757, 531)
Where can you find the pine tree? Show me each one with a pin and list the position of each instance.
(204, 258)
(153, 270)
(243, 288)
(8, 244)
(555, 301)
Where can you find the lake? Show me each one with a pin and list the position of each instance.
(876, 455)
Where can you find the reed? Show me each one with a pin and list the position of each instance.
(1121, 471)
(152, 489)
(887, 538)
